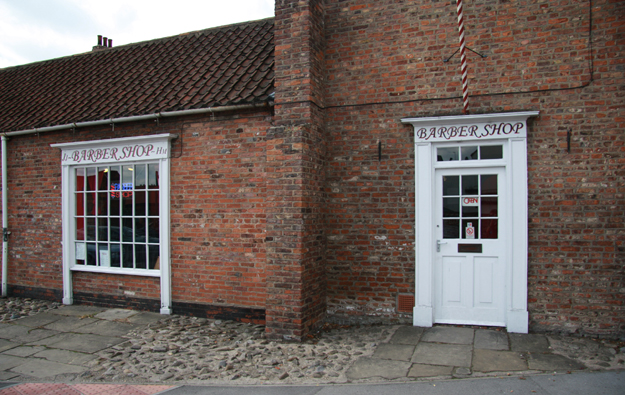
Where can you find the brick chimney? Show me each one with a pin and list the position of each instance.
(103, 43)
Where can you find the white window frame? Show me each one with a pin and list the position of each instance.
(136, 150)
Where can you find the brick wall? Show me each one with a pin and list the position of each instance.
(295, 171)
(217, 214)
(384, 61)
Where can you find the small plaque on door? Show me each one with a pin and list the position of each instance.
(476, 248)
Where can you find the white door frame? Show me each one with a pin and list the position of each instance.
(510, 127)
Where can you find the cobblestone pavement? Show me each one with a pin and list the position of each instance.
(177, 349)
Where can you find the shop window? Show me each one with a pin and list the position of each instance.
(116, 206)
(116, 216)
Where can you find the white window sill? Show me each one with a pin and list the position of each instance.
(114, 270)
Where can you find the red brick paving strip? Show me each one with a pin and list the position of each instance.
(83, 389)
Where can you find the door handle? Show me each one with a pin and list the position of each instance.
(438, 245)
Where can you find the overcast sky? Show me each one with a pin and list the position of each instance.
(34, 30)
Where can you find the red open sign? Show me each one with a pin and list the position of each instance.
(471, 201)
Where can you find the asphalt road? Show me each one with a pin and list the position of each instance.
(599, 383)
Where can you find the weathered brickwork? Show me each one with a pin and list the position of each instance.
(218, 190)
(306, 212)
(295, 172)
(390, 51)
(217, 214)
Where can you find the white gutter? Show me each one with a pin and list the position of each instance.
(135, 118)
(5, 219)
(4, 135)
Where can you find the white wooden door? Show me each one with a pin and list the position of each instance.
(470, 246)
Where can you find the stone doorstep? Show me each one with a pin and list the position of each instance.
(449, 335)
(410, 335)
(491, 340)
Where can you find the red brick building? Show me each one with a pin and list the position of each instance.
(318, 166)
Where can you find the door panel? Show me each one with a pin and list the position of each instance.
(469, 256)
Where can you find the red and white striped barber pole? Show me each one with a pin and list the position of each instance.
(463, 60)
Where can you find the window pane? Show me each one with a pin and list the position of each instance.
(91, 229)
(140, 203)
(115, 229)
(140, 230)
(451, 229)
(103, 229)
(451, 207)
(153, 230)
(489, 207)
(469, 185)
(470, 211)
(491, 152)
(80, 204)
(489, 228)
(469, 153)
(80, 228)
(154, 257)
(489, 184)
(91, 254)
(103, 179)
(90, 203)
(451, 185)
(446, 154)
(153, 207)
(103, 203)
(91, 179)
(127, 232)
(153, 176)
(470, 223)
(139, 177)
(127, 255)
(80, 179)
(128, 175)
(126, 203)
(115, 255)
(140, 256)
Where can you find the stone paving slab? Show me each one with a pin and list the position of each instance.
(443, 354)
(419, 370)
(69, 324)
(8, 331)
(41, 368)
(24, 334)
(68, 357)
(407, 335)
(7, 375)
(80, 342)
(115, 314)
(371, 367)
(498, 361)
(85, 342)
(8, 362)
(528, 342)
(37, 320)
(106, 328)
(7, 345)
(397, 352)
(439, 334)
(490, 340)
(77, 310)
(24, 351)
(553, 362)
